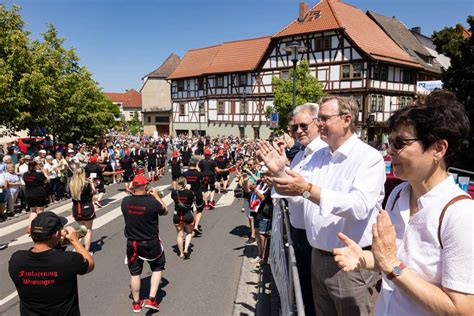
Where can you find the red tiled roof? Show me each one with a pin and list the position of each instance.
(129, 99)
(166, 68)
(236, 56)
(367, 35)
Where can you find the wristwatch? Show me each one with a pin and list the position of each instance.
(396, 271)
(307, 193)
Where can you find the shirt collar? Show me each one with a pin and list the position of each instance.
(435, 193)
(347, 146)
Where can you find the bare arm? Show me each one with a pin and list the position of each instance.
(72, 236)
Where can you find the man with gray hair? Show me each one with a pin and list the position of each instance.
(345, 186)
(304, 128)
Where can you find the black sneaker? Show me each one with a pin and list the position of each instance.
(250, 241)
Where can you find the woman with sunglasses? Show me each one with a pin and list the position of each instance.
(424, 242)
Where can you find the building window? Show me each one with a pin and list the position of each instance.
(322, 43)
(351, 71)
(202, 109)
(381, 72)
(156, 119)
(408, 76)
(242, 80)
(243, 107)
(404, 102)
(377, 103)
(182, 109)
(220, 108)
(220, 81)
(285, 75)
(148, 119)
(200, 83)
(181, 85)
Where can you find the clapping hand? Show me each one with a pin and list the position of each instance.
(273, 156)
(351, 257)
(384, 243)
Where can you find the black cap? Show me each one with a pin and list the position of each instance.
(46, 224)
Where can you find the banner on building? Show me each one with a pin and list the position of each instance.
(426, 87)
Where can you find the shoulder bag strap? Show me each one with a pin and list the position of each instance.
(454, 200)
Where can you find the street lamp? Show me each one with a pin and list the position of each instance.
(294, 48)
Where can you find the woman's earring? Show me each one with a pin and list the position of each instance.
(436, 161)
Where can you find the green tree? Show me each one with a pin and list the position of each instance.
(15, 66)
(457, 44)
(42, 84)
(308, 89)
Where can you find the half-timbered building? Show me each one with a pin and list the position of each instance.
(346, 50)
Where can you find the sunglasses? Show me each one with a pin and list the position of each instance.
(400, 143)
(303, 126)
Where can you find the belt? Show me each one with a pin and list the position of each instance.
(327, 253)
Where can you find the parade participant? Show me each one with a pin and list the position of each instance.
(127, 166)
(346, 183)
(186, 154)
(45, 277)
(82, 191)
(152, 157)
(194, 178)
(35, 180)
(183, 218)
(423, 244)
(175, 165)
(140, 212)
(207, 166)
(138, 155)
(161, 160)
(96, 172)
(222, 172)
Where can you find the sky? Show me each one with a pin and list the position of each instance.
(121, 41)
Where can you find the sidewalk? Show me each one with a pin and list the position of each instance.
(253, 296)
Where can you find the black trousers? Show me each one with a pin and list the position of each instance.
(303, 262)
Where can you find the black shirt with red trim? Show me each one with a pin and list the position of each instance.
(222, 162)
(194, 179)
(152, 156)
(140, 213)
(34, 184)
(47, 281)
(94, 168)
(127, 165)
(186, 197)
(207, 167)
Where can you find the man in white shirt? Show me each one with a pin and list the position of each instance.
(303, 127)
(347, 182)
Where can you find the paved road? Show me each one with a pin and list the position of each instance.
(204, 285)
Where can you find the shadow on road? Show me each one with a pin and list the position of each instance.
(145, 289)
(240, 231)
(96, 246)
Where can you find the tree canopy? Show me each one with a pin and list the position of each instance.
(308, 89)
(457, 44)
(42, 84)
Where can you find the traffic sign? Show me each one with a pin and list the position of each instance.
(274, 120)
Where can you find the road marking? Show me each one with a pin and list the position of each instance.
(63, 208)
(225, 200)
(8, 298)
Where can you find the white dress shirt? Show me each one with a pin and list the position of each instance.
(352, 182)
(295, 205)
(419, 249)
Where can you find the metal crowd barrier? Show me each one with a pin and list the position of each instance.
(283, 262)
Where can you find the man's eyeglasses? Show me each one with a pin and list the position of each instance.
(400, 143)
(303, 126)
(325, 118)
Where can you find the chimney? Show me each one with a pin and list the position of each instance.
(303, 11)
(416, 29)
